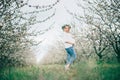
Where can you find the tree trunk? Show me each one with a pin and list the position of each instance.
(118, 58)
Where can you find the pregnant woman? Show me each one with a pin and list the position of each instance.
(69, 42)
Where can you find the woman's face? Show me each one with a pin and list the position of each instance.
(67, 29)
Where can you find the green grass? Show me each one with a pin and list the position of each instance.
(78, 71)
(26, 73)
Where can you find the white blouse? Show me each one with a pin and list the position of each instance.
(67, 37)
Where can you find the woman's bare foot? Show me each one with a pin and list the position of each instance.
(67, 67)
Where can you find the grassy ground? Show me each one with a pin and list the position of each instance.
(78, 71)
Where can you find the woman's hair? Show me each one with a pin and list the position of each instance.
(65, 26)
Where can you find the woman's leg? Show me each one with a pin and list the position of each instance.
(68, 60)
(73, 55)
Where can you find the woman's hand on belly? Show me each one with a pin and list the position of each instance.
(69, 42)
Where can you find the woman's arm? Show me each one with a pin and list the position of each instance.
(70, 42)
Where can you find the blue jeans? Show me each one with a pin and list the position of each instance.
(71, 55)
